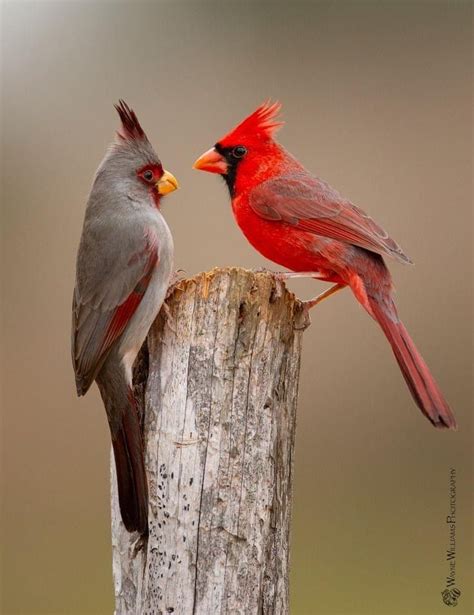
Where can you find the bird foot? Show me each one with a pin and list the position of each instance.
(302, 317)
(306, 306)
(175, 279)
(327, 293)
(277, 290)
(177, 276)
(174, 283)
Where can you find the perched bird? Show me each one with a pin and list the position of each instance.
(124, 265)
(299, 221)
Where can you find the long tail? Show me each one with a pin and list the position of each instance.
(127, 442)
(421, 383)
(131, 476)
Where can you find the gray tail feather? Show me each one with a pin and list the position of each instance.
(127, 442)
(131, 476)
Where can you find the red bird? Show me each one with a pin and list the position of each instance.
(299, 221)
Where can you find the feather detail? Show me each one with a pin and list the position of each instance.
(95, 329)
(305, 201)
(131, 128)
(420, 381)
(262, 123)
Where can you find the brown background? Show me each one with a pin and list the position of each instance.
(377, 101)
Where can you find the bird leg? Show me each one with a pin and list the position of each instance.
(327, 293)
(288, 275)
(175, 279)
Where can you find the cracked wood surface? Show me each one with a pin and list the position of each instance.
(219, 383)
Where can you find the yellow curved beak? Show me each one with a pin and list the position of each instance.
(167, 183)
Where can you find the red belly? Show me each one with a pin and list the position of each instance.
(289, 246)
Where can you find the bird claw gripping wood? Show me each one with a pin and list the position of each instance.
(175, 281)
(302, 317)
(277, 288)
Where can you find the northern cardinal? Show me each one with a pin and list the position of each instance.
(124, 266)
(299, 221)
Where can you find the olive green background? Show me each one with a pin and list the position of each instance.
(377, 100)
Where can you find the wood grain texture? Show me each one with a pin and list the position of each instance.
(220, 387)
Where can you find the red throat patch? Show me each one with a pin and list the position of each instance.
(130, 128)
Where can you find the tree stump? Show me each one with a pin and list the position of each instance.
(219, 380)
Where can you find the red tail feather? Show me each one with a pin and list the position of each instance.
(421, 383)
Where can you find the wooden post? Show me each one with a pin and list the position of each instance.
(220, 387)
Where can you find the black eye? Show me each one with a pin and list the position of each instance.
(239, 151)
(148, 175)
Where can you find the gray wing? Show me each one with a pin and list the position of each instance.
(115, 262)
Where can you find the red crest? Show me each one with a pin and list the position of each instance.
(130, 128)
(262, 123)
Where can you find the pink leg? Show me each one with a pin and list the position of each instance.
(327, 293)
(287, 275)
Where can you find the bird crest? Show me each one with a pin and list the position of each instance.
(262, 123)
(130, 128)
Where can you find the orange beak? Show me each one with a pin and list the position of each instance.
(211, 161)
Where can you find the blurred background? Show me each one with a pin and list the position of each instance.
(377, 100)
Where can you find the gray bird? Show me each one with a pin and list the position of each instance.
(124, 267)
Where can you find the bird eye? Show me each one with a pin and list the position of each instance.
(148, 175)
(239, 151)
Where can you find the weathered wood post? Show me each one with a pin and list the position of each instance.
(220, 387)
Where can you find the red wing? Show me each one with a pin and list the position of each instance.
(95, 330)
(311, 204)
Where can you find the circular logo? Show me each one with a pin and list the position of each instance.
(450, 596)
